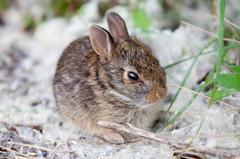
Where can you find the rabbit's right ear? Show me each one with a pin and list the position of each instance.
(117, 26)
(101, 41)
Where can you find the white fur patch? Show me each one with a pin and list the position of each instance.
(121, 96)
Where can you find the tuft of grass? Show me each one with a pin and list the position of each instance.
(214, 78)
(224, 84)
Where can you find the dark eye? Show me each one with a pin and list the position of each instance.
(132, 76)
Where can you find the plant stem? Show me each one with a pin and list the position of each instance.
(221, 37)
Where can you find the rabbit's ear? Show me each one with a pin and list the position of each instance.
(101, 41)
(117, 26)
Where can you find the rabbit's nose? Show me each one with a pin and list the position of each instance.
(156, 94)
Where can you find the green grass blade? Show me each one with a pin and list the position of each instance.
(221, 37)
(186, 59)
(189, 72)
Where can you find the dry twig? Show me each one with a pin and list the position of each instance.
(166, 140)
(208, 32)
(30, 146)
(196, 13)
(15, 152)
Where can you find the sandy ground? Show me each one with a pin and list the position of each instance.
(31, 127)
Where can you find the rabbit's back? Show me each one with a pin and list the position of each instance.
(73, 58)
(70, 84)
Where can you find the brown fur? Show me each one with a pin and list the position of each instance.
(90, 85)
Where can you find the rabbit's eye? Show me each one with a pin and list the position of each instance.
(132, 76)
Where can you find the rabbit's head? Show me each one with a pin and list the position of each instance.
(133, 73)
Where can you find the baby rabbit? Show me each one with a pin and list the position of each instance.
(109, 76)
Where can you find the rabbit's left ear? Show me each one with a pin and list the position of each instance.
(117, 26)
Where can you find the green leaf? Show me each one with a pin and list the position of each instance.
(219, 94)
(140, 19)
(29, 22)
(60, 7)
(4, 4)
(82, 9)
(234, 68)
(229, 80)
